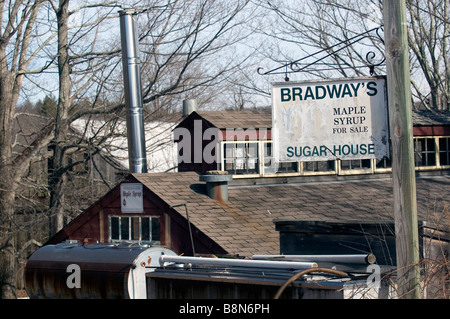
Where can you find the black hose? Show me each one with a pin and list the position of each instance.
(304, 272)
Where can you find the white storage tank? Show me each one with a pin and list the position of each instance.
(96, 271)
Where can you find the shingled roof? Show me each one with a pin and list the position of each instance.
(245, 224)
(431, 117)
(255, 118)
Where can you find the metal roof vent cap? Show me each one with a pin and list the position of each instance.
(189, 106)
(217, 184)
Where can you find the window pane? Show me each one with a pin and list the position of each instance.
(384, 163)
(135, 229)
(114, 228)
(431, 152)
(326, 166)
(424, 152)
(156, 231)
(124, 227)
(252, 157)
(355, 164)
(444, 150)
(319, 166)
(288, 167)
(269, 163)
(229, 151)
(365, 163)
(145, 228)
(431, 159)
(241, 157)
(229, 157)
(418, 152)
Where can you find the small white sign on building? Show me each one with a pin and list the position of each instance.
(326, 120)
(131, 198)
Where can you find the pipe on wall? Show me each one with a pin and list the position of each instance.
(228, 262)
(133, 92)
(351, 259)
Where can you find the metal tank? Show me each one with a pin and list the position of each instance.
(96, 271)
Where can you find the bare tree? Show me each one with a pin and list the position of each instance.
(342, 38)
(183, 45)
(180, 45)
(429, 42)
(76, 73)
(16, 54)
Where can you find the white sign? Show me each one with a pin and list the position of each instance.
(131, 198)
(326, 120)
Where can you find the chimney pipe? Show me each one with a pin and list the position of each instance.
(189, 106)
(217, 184)
(133, 92)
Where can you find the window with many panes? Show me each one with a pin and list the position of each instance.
(253, 157)
(356, 164)
(142, 229)
(383, 163)
(270, 167)
(319, 166)
(241, 157)
(424, 152)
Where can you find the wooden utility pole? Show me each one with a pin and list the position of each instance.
(403, 172)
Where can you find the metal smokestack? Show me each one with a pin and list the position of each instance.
(217, 184)
(189, 106)
(133, 92)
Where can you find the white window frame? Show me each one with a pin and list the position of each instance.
(425, 151)
(245, 158)
(263, 171)
(140, 235)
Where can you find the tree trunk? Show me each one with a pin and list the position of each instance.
(7, 195)
(8, 246)
(56, 180)
(7, 187)
(16, 30)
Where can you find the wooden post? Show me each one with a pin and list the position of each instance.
(403, 172)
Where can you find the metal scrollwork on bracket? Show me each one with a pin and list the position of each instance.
(259, 70)
(370, 56)
(296, 66)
